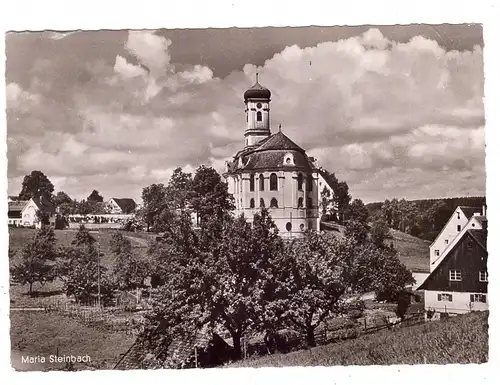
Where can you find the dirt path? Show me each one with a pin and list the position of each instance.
(141, 241)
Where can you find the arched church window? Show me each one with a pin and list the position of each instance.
(252, 182)
(309, 203)
(274, 203)
(273, 182)
(261, 182)
(300, 204)
(259, 116)
(300, 182)
(309, 183)
(262, 203)
(252, 203)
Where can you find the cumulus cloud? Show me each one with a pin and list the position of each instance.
(383, 115)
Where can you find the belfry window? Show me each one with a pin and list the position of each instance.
(309, 183)
(252, 203)
(300, 182)
(261, 182)
(273, 182)
(262, 203)
(300, 204)
(259, 116)
(252, 182)
(274, 203)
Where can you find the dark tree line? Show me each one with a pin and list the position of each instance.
(422, 218)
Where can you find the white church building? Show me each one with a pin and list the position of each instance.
(272, 171)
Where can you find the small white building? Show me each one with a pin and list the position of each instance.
(29, 212)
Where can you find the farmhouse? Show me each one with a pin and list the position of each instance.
(459, 282)
(24, 213)
(121, 205)
(273, 172)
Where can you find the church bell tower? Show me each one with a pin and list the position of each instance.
(257, 100)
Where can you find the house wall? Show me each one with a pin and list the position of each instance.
(114, 208)
(472, 224)
(446, 237)
(287, 196)
(460, 302)
(468, 257)
(29, 214)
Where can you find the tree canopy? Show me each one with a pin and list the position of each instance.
(36, 185)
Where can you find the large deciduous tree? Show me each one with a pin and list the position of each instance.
(210, 196)
(154, 198)
(95, 197)
(314, 282)
(36, 185)
(80, 269)
(129, 269)
(225, 285)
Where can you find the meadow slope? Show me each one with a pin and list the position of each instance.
(462, 339)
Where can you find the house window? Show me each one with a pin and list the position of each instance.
(262, 203)
(455, 275)
(273, 182)
(252, 203)
(261, 182)
(459, 228)
(436, 252)
(446, 241)
(259, 116)
(445, 297)
(458, 215)
(274, 203)
(483, 276)
(309, 183)
(252, 182)
(478, 298)
(300, 182)
(300, 204)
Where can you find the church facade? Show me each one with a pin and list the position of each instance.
(272, 171)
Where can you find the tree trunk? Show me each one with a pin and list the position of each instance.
(311, 342)
(236, 346)
(31, 288)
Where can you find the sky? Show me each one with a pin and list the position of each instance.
(396, 111)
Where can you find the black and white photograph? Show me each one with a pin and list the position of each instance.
(246, 197)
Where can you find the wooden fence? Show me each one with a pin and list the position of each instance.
(96, 316)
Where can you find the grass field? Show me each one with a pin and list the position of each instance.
(413, 251)
(45, 334)
(18, 237)
(462, 339)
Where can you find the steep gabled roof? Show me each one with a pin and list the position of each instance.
(43, 205)
(125, 204)
(478, 235)
(17, 205)
(279, 141)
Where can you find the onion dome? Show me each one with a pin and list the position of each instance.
(257, 91)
